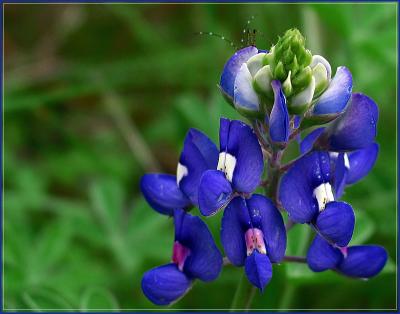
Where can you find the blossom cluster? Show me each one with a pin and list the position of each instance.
(283, 93)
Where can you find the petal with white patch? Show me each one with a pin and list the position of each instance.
(323, 194)
(181, 172)
(227, 164)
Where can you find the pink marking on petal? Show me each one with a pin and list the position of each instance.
(344, 251)
(259, 240)
(255, 240)
(179, 254)
(249, 238)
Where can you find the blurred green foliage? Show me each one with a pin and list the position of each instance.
(97, 95)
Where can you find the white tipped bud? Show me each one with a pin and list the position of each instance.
(320, 75)
(262, 80)
(255, 63)
(287, 85)
(303, 99)
(319, 59)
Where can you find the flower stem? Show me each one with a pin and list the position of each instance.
(250, 298)
(295, 259)
(238, 293)
(244, 295)
(289, 225)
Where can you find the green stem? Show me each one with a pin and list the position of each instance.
(250, 298)
(295, 259)
(238, 293)
(274, 175)
(244, 295)
(286, 298)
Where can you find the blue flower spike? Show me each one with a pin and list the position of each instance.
(195, 256)
(239, 168)
(166, 192)
(253, 234)
(286, 90)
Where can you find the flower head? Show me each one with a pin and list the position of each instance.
(253, 235)
(360, 261)
(195, 256)
(358, 152)
(306, 194)
(239, 169)
(166, 192)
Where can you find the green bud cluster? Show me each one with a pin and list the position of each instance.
(290, 62)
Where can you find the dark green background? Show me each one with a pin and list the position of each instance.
(97, 95)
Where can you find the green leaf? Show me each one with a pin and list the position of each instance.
(50, 247)
(98, 298)
(46, 299)
(107, 200)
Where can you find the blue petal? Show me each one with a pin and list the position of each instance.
(235, 222)
(266, 217)
(363, 261)
(199, 154)
(336, 223)
(298, 184)
(340, 176)
(296, 125)
(244, 95)
(322, 256)
(258, 269)
(162, 193)
(361, 163)
(214, 192)
(207, 149)
(355, 128)
(335, 98)
(165, 284)
(204, 261)
(239, 140)
(232, 67)
(279, 119)
(308, 142)
(224, 126)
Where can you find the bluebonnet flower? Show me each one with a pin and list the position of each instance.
(355, 129)
(306, 194)
(253, 234)
(166, 192)
(282, 91)
(195, 256)
(350, 140)
(239, 168)
(360, 261)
